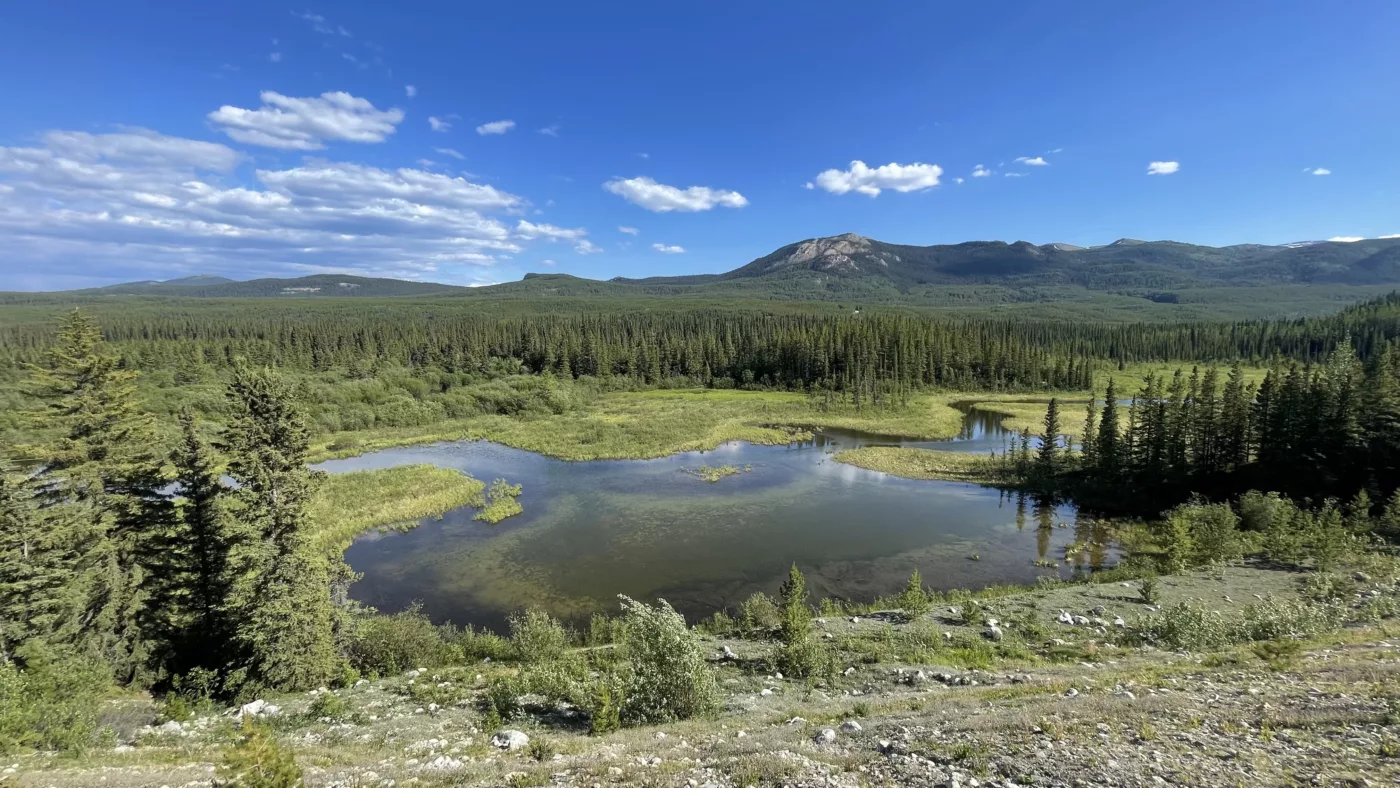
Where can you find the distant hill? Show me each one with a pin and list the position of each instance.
(1297, 278)
(317, 286)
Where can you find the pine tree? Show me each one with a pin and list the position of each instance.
(1088, 443)
(1048, 457)
(280, 594)
(797, 616)
(1110, 460)
(100, 483)
(192, 584)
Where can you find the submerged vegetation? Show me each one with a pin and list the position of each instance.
(499, 502)
(713, 474)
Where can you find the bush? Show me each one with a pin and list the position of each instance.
(759, 613)
(669, 677)
(807, 658)
(913, 600)
(501, 699)
(1325, 587)
(51, 704)
(605, 630)
(1149, 590)
(1288, 619)
(478, 644)
(1183, 626)
(535, 636)
(258, 761)
(389, 645)
(328, 705)
(557, 680)
(606, 700)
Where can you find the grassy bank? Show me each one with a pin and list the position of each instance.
(348, 504)
(643, 425)
(923, 463)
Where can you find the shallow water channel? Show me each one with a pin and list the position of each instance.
(649, 528)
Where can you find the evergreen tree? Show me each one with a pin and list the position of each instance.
(797, 616)
(1110, 461)
(1048, 458)
(192, 584)
(101, 481)
(1088, 443)
(280, 593)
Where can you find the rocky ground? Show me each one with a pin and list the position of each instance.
(1076, 714)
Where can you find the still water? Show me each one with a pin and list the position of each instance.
(649, 528)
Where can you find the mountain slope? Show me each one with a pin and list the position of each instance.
(319, 286)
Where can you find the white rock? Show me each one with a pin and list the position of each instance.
(848, 671)
(258, 708)
(1119, 622)
(766, 692)
(850, 726)
(510, 740)
(1065, 617)
(442, 763)
(171, 728)
(994, 633)
(728, 653)
(1071, 693)
(825, 736)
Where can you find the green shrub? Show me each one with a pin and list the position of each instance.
(759, 614)
(807, 658)
(328, 705)
(913, 600)
(389, 645)
(796, 615)
(605, 630)
(1183, 626)
(1285, 619)
(1325, 587)
(1149, 590)
(478, 644)
(501, 698)
(535, 636)
(606, 699)
(563, 679)
(669, 677)
(258, 761)
(50, 704)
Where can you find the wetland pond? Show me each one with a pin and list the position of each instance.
(652, 528)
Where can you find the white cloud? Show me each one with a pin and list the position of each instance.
(661, 198)
(664, 249)
(549, 263)
(629, 230)
(307, 123)
(320, 25)
(495, 127)
(531, 230)
(427, 163)
(871, 181)
(586, 246)
(809, 185)
(551, 130)
(958, 181)
(450, 152)
(275, 57)
(137, 205)
(1321, 171)
(1057, 150)
(1033, 162)
(1162, 167)
(980, 172)
(1014, 174)
(353, 59)
(410, 91)
(1386, 237)
(438, 124)
(1346, 239)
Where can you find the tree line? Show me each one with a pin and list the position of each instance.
(1310, 431)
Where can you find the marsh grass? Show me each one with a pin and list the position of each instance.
(348, 504)
(498, 503)
(925, 463)
(713, 474)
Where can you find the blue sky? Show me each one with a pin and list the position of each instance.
(473, 142)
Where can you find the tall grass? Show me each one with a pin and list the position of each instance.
(348, 504)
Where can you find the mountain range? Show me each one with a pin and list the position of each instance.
(853, 266)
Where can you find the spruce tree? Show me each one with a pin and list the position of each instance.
(1110, 461)
(280, 594)
(1048, 458)
(100, 482)
(1088, 442)
(797, 616)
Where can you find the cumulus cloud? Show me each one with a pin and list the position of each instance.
(1033, 162)
(629, 230)
(586, 246)
(495, 127)
(958, 181)
(661, 198)
(1346, 239)
(980, 172)
(551, 130)
(871, 181)
(136, 204)
(1162, 167)
(307, 123)
(531, 230)
(1321, 171)
(450, 152)
(665, 249)
(410, 91)
(438, 124)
